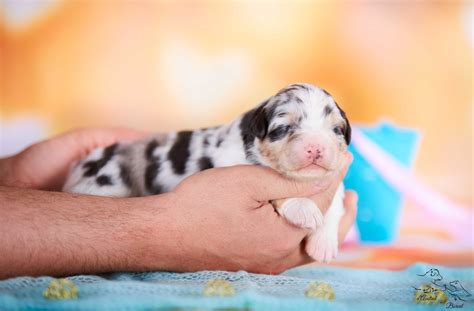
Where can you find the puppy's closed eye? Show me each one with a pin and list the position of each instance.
(339, 130)
(279, 132)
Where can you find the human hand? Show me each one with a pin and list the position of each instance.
(229, 225)
(45, 165)
(324, 199)
(222, 219)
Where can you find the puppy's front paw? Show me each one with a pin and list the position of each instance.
(322, 245)
(301, 212)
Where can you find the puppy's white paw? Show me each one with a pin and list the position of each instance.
(301, 212)
(322, 245)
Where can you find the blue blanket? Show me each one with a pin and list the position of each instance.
(419, 287)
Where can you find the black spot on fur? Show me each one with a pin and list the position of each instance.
(347, 128)
(179, 153)
(289, 92)
(327, 110)
(206, 142)
(260, 120)
(104, 180)
(288, 89)
(250, 129)
(270, 112)
(150, 148)
(301, 86)
(151, 172)
(219, 142)
(92, 168)
(205, 163)
(326, 92)
(125, 176)
(279, 132)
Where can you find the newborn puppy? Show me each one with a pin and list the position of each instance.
(300, 132)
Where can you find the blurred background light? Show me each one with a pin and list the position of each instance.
(168, 65)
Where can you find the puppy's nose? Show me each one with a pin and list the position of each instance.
(314, 152)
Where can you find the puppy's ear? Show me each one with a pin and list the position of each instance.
(347, 128)
(347, 131)
(259, 122)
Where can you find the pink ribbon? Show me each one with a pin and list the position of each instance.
(455, 218)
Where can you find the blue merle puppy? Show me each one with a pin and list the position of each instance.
(300, 132)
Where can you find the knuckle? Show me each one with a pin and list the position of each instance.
(294, 186)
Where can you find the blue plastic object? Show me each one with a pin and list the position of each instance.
(379, 204)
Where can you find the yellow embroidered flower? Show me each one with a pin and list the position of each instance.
(218, 287)
(60, 289)
(320, 290)
(427, 294)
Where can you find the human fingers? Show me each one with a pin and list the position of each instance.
(266, 184)
(324, 199)
(347, 220)
(88, 139)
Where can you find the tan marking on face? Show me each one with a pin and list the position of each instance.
(280, 156)
(271, 153)
(292, 118)
(274, 152)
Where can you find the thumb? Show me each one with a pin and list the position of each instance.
(270, 185)
(90, 138)
(267, 184)
(324, 199)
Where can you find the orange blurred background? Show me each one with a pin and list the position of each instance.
(162, 65)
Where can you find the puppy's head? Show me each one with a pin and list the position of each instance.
(300, 132)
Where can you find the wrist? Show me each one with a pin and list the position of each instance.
(156, 236)
(7, 173)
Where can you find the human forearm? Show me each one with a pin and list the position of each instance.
(217, 219)
(57, 233)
